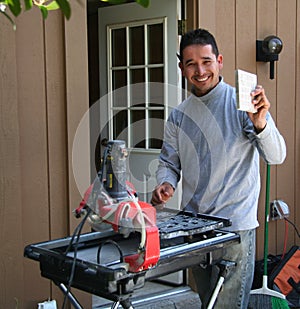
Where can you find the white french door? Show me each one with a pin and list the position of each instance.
(139, 79)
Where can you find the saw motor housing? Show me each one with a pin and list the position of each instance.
(113, 201)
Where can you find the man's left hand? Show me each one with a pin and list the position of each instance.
(262, 106)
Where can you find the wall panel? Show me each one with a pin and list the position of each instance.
(77, 96)
(297, 124)
(207, 15)
(266, 25)
(56, 131)
(245, 32)
(11, 260)
(77, 104)
(285, 109)
(225, 35)
(33, 146)
(56, 124)
(34, 152)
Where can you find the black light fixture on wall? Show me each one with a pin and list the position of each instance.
(268, 51)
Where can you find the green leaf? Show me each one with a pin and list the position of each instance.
(44, 11)
(28, 4)
(52, 6)
(144, 3)
(65, 7)
(14, 6)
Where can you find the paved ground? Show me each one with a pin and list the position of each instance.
(157, 296)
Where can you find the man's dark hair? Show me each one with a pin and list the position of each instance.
(198, 36)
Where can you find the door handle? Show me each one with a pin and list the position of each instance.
(104, 141)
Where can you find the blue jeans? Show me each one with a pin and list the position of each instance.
(235, 292)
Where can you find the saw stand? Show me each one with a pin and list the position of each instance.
(224, 266)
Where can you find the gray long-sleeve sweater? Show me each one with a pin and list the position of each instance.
(214, 148)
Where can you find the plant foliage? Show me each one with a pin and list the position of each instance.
(15, 7)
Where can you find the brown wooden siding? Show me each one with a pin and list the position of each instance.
(44, 94)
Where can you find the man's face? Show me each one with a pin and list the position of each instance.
(201, 67)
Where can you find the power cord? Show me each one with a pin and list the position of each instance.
(286, 235)
(294, 226)
(76, 233)
(107, 242)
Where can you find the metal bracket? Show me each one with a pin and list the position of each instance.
(181, 26)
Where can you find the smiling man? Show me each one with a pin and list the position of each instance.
(215, 148)
(201, 67)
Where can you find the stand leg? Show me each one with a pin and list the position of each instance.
(216, 292)
(126, 304)
(224, 266)
(70, 296)
(115, 305)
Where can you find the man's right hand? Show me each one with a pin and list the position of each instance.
(162, 194)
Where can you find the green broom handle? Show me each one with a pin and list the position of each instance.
(267, 221)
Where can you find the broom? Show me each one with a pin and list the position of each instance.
(265, 298)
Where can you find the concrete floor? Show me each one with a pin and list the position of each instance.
(157, 296)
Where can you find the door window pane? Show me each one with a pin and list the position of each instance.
(137, 76)
(138, 95)
(156, 75)
(119, 79)
(156, 94)
(138, 128)
(119, 97)
(137, 54)
(120, 125)
(155, 43)
(118, 47)
(156, 128)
